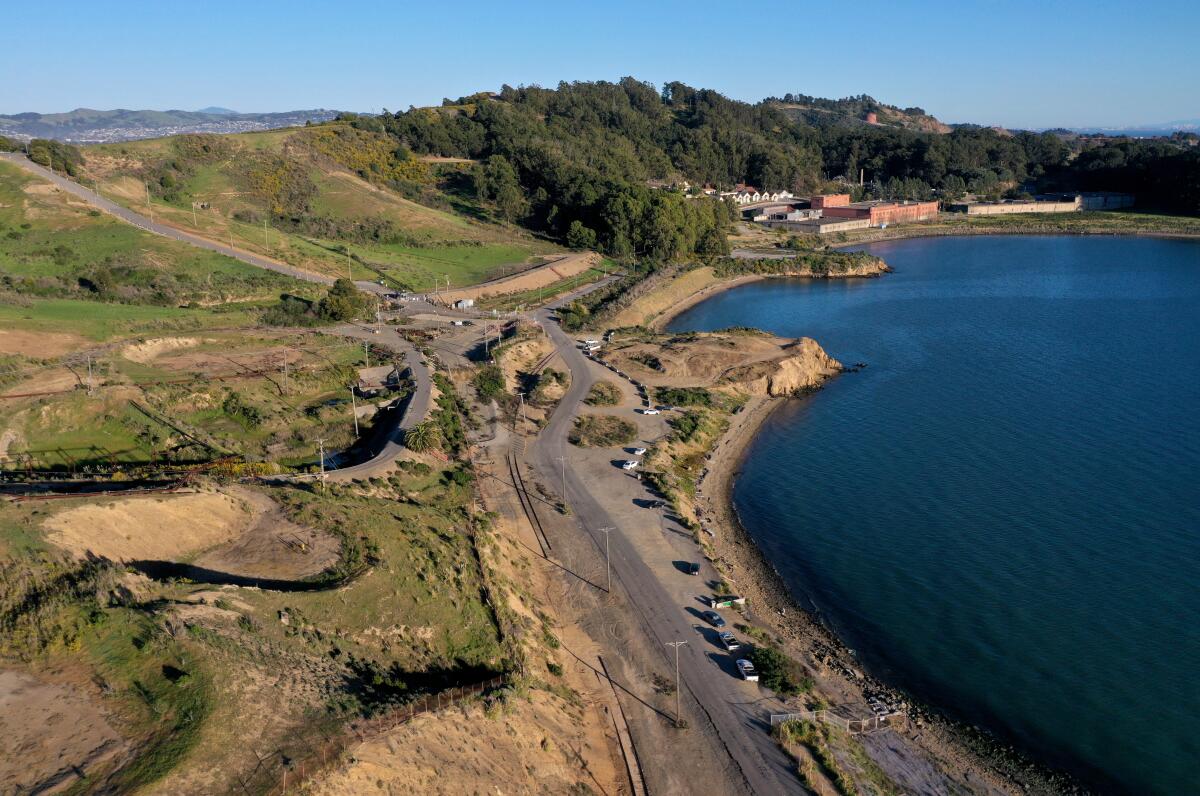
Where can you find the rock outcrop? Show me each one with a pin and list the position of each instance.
(804, 366)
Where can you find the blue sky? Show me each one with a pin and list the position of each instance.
(1016, 63)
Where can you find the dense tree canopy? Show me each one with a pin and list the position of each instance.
(578, 160)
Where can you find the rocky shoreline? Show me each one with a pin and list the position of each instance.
(967, 756)
(964, 753)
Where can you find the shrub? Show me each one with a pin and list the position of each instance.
(602, 431)
(489, 382)
(684, 396)
(778, 672)
(604, 393)
(423, 437)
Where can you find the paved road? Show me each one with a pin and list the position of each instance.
(738, 721)
(416, 411)
(138, 220)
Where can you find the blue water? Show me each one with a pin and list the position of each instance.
(1001, 513)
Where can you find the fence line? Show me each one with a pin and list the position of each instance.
(849, 725)
(278, 772)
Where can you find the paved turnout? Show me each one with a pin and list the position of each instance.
(737, 716)
(138, 220)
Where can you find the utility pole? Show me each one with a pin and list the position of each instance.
(91, 390)
(354, 410)
(265, 244)
(563, 461)
(285, 372)
(607, 559)
(367, 353)
(349, 267)
(522, 397)
(195, 223)
(321, 443)
(676, 645)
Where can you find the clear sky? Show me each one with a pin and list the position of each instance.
(1012, 62)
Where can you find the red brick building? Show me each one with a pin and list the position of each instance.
(829, 200)
(882, 212)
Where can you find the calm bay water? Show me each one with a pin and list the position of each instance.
(1001, 513)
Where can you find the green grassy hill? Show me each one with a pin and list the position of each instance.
(67, 269)
(329, 198)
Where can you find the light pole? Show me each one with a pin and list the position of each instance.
(607, 559)
(563, 461)
(676, 645)
(354, 410)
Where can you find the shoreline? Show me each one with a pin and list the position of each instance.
(686, 303)
(964, 753)
(678, 308)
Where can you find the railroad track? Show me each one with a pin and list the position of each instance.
(518, 481)
(543, 362)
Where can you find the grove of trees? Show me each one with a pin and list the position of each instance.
(574, 161)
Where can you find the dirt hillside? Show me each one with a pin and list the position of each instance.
(51, 734)
(164, 528)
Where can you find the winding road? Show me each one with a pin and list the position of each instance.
(736, 722)
(140, 221)
(414, 413)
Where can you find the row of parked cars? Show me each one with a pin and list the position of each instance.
(731, 644)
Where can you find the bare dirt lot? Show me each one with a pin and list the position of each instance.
(241, 531)
(273, 546)
(163, 528)
(51, 734)
(149, 350)
(43, 344)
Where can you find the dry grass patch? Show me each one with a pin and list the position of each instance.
(149, 528)
(602, 431)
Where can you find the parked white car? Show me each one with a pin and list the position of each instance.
(649, 411)
(629, 464)
(638, 451)
(747, 671)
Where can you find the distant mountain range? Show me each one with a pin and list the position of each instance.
(87, 126)
(1145, 130)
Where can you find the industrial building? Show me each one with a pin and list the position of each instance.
(820, 226)
(1057, 203)
(879, 211)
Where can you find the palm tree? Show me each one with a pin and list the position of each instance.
(423, 436)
